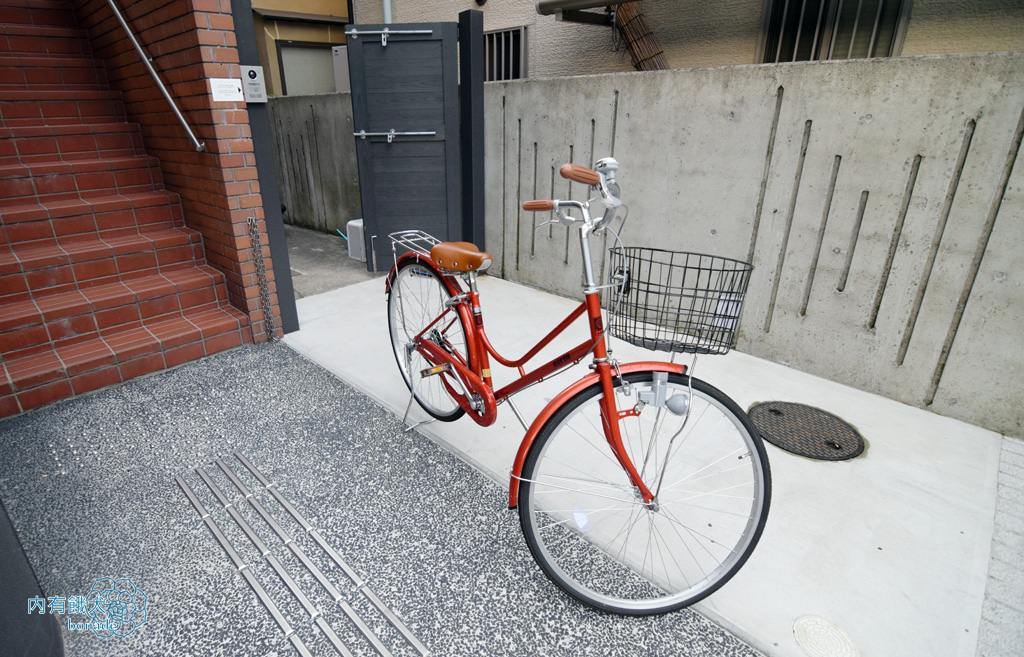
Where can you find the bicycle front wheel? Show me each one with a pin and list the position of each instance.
(587, 525)
(417, 299)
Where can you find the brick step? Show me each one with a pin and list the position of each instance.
(43, 143)
(53, 221)
(43, 40)
(49, 373)
(37, 12)
(49, 72)
(97, 260)
(74, 314)
(57, 180)
(60, 107)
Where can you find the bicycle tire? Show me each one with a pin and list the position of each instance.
(416, 297)
(712, 509)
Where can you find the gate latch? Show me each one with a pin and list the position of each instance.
(392, 133)
(384, 33)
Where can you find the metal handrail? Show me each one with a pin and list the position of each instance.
(200, 146)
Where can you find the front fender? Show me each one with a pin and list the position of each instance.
(556, 403)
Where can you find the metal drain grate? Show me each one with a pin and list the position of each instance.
(316, 616)
(806, 431)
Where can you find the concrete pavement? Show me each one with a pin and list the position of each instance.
(891, 549)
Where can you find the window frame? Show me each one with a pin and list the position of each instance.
(490, 65)
(833, 8)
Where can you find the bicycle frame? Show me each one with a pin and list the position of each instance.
(477, 372)
(480, 347)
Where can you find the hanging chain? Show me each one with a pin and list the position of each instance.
(261, 278)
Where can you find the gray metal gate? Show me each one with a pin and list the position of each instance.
(406, 122)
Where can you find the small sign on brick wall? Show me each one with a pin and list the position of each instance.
(226, 90)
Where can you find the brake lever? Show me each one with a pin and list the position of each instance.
(563, 219)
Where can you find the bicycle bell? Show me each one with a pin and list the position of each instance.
(607, 166)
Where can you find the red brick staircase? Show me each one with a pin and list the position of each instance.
(100, 280)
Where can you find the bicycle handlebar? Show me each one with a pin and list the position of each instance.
(603, 179)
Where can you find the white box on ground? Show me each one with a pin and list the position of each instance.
(356, 246)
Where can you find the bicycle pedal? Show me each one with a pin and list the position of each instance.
(432, 371)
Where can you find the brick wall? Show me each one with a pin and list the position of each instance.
(191, 41)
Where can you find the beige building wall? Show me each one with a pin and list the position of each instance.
(939, 27)
(296, 21)
(701, 33)
(553, 47)
(691, 32)
(696, 33)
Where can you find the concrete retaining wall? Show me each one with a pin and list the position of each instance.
(316, 160)
(878, 201)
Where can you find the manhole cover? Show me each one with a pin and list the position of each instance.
(806, 431)
(820, 638)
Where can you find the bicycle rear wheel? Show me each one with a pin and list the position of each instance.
(417, 298)
(588, 527)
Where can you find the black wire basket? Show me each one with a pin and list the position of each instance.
(675, 301)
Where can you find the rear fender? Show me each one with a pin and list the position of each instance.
(449, 282)
(556, 403)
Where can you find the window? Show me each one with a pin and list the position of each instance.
(505, 54)
(807, 30)
(306, 68)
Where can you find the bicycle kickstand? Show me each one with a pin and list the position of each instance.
(408, 407)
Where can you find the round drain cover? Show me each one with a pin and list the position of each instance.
(820, 638)
(806, 431)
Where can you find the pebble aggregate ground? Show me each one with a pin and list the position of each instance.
(89, 486)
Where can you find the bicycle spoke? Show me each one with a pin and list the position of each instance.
(693, 532)
(605, 449)
(605, 484)
(679, 568)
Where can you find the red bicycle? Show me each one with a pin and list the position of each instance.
(640, 488)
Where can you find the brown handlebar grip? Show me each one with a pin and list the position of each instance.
(538, 206)
(580, 174)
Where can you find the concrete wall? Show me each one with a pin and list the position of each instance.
(877, 200)
(316, 160)
(884, 248)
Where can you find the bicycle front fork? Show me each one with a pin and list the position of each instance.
(611, 417)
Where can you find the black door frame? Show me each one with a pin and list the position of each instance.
(471, 121)
(266, 170)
